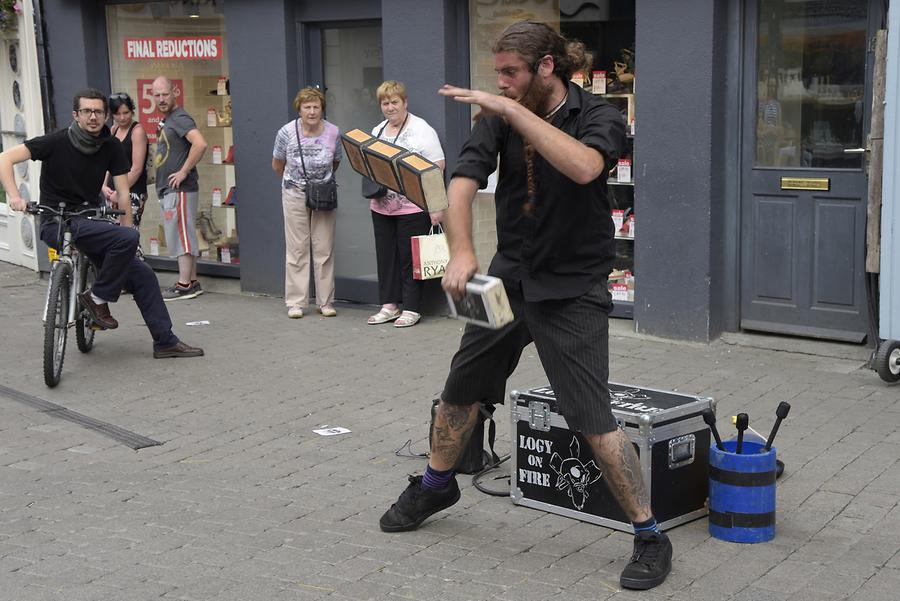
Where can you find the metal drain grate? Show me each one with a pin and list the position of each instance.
(126, 437)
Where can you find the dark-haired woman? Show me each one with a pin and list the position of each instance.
(134, 139)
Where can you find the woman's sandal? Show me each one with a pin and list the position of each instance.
(407, 319)
(383, 316)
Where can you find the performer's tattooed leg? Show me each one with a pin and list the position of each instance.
(451, 431)
(622, 470)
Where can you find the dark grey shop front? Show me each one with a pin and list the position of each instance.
(691, 152)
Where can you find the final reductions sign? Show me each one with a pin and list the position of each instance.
(197, 48)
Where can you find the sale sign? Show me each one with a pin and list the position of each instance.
(199, 48)
(149, 114)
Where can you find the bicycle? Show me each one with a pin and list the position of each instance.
(71, 273)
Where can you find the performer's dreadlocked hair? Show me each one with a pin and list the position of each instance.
(533, 40)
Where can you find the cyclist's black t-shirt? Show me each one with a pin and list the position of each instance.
(70, 176)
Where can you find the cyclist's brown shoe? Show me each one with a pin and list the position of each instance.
(178, 349)
(99, 313)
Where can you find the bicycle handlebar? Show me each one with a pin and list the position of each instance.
(34, 208)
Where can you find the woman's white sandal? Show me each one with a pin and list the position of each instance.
(407, 319)
(383, 316)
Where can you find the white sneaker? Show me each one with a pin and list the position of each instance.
(295, 312)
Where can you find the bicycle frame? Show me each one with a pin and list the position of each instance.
(69, 254)
(75, 288)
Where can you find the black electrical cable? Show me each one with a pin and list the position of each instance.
(476, 479)
(873, 300)
(406, 451)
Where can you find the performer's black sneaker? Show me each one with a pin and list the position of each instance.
(416, 504)
(650, 563)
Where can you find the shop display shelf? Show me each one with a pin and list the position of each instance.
(628, 98)
(204, 266)
(622, 309)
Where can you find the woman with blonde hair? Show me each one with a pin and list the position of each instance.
(307, 149)
(395, 218)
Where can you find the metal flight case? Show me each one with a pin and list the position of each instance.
(553, 468)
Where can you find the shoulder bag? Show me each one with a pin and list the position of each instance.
(320, 196)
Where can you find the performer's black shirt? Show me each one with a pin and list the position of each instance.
(568, 245)
(70, 176)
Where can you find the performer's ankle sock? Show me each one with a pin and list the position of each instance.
(97, 300)
(435, 479)
(180, 285)
(648, 526)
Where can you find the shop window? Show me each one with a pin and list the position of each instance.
(811, 83)
(186, 42)
(607, 29)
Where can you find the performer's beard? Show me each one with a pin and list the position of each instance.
(536, 96)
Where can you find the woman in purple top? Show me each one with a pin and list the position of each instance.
(319, 141)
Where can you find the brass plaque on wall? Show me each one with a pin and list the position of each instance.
(805, 183)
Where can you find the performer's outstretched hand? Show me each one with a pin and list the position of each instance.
(491, 104)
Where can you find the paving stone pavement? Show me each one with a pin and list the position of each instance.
(242, 501)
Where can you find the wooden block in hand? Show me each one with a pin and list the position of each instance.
(353, 142)
(382, 157)
(423, 182)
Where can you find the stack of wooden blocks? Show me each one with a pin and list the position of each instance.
(407, 173)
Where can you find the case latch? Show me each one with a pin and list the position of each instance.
(681, 450)
(539, 415)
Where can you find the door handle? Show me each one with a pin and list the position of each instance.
(856, 150)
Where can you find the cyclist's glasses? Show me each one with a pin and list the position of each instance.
(94, 112)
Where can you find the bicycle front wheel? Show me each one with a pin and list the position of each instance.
(56, 326)
(84, 332)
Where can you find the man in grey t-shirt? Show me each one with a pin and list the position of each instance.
(179, 148)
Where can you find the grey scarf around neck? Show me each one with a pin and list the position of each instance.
(84, 142)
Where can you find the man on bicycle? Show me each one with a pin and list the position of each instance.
(75, 162)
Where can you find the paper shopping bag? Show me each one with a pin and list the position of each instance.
(430, 254)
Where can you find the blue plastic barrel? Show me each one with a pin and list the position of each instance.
(742, 493)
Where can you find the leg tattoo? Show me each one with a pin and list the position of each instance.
(623, 473)
(451, 431)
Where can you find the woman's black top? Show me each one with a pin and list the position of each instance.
(140, 186)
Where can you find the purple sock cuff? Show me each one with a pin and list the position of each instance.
(644, 526)
(435, 479)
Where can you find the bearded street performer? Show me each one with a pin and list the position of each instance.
(555, 246)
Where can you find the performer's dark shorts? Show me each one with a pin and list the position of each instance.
(572, 340)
